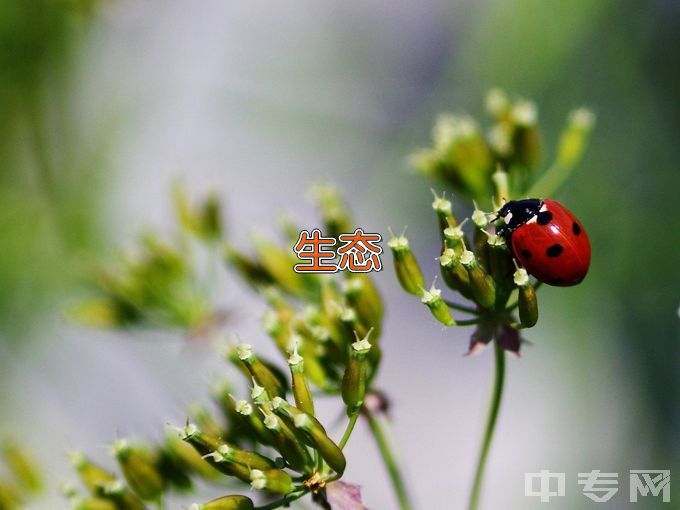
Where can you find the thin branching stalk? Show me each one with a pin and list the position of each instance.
(348, 430)
(496, 395)
(390, 462)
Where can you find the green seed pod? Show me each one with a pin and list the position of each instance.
(253, 422)
(250, 270)
(10, 498)
(209, 217)
(288, 443)
(406, 266)
(259, 394)
(123, 497)
(481, 283)
(443, 208)
(235, 502)
(205, 420)
(173, 471)
(363, 296)
(526, 300)
(497, 103)
(188, 457)
(202, 442)
(250, 459)
(350, 320)
(260, 372)
(334, 213)
(575, 137)
(525, 139)
(274, 480)
(354, 379)
(22, 467)
(93, 476)
(453, 272)
(314, 433)
(301, 392)
(433, 300)
(454, 237)
(206, 445)
(94, 504)
(501, 262)
(139, 470)
(278, 263)
(315, 365)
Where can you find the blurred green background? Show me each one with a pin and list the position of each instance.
(105, 102)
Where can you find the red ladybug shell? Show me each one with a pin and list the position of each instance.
(553, 246)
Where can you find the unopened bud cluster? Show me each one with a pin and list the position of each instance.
(464, 156)
(476, 265)
(266, 434)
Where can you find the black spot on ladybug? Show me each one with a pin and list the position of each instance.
(526, 253)
(575, 229)
(543, 218)
(555, 250)
(557, 281)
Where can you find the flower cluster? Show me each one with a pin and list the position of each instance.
(489, 168)
(158, 284)
(326, 327)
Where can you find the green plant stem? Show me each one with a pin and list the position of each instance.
(348, 430)
(390, 462)
(469, 322)
(496, 396)
(283, 502)
(461, 308)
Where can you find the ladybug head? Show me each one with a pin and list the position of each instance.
(516, 213)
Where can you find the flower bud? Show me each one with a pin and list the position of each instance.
(525, 138)
(527, 301)
(188, 457)
(123, 497)
(315, 434)
(205, 420)
(454, 237)
(575, 137)
(274, 480)
(22, 467)
(497, 103)
(301, 392)
(334, 212)
(206, 445)
(481, 284)
(354, 379)
(443, 208)
(453, 272)
(406, 266)
(139, 469)
(260, 372)
(363, 296)
(235, 502)
(279, 263)
(93, 476)
(10, 499)
(254, 423)
(288, 444)
(433, 299)
(249, 269)
(250, 459)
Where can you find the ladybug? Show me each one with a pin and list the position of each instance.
(547, 239)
